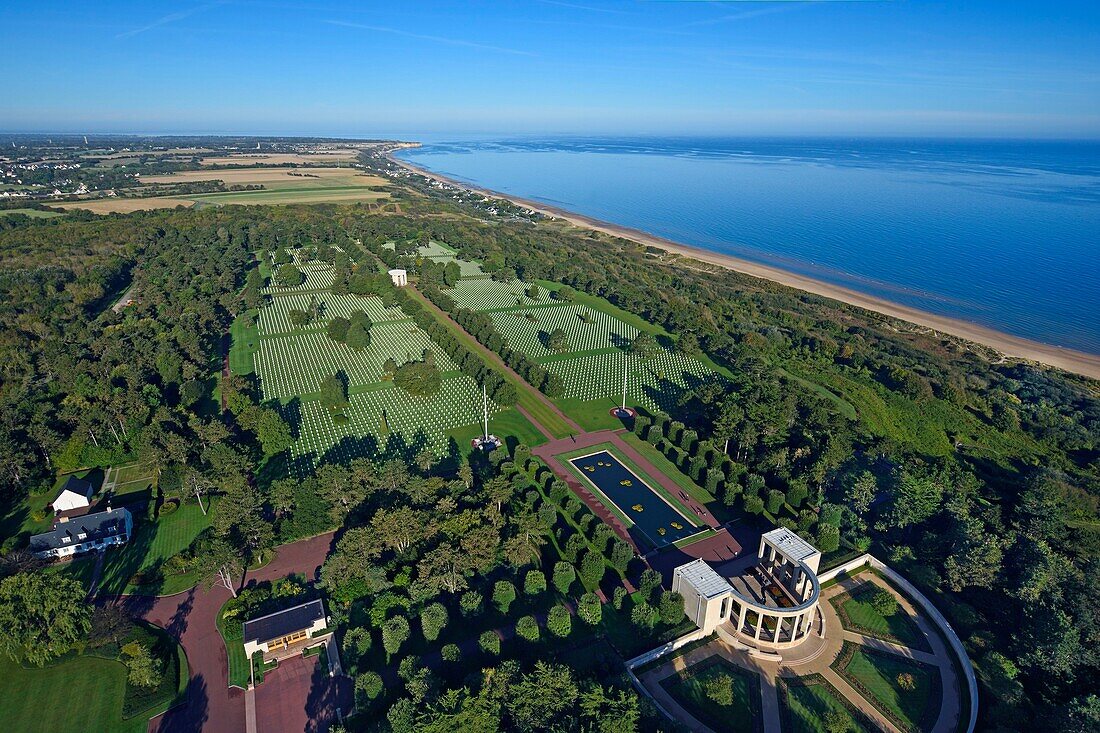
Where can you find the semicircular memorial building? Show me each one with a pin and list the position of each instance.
(769, 601)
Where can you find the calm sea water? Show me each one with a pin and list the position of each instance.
(1004, 234)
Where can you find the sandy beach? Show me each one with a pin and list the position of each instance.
(1007, 344)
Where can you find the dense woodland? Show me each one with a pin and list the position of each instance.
(978, 479)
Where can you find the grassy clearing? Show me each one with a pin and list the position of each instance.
(245, 341)
(504, 424)
(858, 615)
(877, 673)
(83, 693)
(806, 701)
(32, 213)
(688, 687)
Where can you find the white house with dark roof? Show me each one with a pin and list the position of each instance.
(86, 533)
(75, 494)
(282, 631)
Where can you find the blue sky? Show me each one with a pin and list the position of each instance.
(441, 69)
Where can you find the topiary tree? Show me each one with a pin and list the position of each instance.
(395, 632)
(592, 568)
(649, 582)
(671, 607)
(618, 597)
(504, 594)
(471, 603)
(775, 501)
(753, 504)
(527, 628)
(574, 546)
(489, 642)
(534, 583)
(433, 620)
(590, 610)
(357, 642)
(621, 555)
(368, 686)
(559, 622)
(828, 537)
(450, 653)
(836, 722)
(644, 616)
(564, 575)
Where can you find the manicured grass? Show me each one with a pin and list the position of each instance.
(594, 414)
(858, 615)
(806, 701)
(245, 338)
(154, 541)
(79, 694)
(231, 632)
(688, 687)
(504, 424)
(877, 673)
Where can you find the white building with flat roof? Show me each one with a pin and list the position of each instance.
(400, 278)
(771, 603)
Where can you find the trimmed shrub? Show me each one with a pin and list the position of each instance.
(395, 632)
(644, 616)
(828, 537)
(534, 583)
(649, 582)
(528, 628)
(753, 504)
(564, 575)
(592, 568)
(884, 602)
(471, 603)
(621, 555)
(368, 686)
(574, 546)
(504, 594)
(590, 610)
(559, 622)
(489, 642)
(450, 653)
(618, 598)
(775, 501)
(671, 607)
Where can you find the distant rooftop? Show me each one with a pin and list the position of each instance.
(704, 579)
(790, 544)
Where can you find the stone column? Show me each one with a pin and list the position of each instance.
(759, 624)
(741, 617)
(778, 629)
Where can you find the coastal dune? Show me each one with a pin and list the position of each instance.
(1010, 346)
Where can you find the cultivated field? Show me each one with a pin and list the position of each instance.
(125, 206)
(337, 154)
(274, 177)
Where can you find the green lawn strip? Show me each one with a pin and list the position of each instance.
(857, 614)
(688, 687)
(244, 336)
(668, 468)
(85, 692)
(592, 415)
(232, 633)
(805, 701)
(32, 213)
(634, 468)
(697, 537)
(566, 355)
(528, 396)
(502, 424)
(875, 674)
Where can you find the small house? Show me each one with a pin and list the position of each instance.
(75, 494)
(292, 628)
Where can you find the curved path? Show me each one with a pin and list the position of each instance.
(211, 705)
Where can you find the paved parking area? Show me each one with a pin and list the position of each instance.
(300, 697)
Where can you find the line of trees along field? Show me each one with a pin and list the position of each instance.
(977, 479)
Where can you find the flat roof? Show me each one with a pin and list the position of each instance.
(790, 544)
(704, 579)
(281, 623)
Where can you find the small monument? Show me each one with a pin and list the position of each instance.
(487, 441)
(623, 412)
(400, 278)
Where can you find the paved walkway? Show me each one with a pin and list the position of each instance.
(211, 705)
(820, 663)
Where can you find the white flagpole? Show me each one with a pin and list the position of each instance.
(485, 410)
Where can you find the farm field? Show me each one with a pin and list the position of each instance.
(274, 178)
(334, 194)
(329, 156)
(125, 206)
(33, 213)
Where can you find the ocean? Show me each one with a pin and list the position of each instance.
(1005, 234)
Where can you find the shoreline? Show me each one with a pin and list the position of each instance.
(1015, 347)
